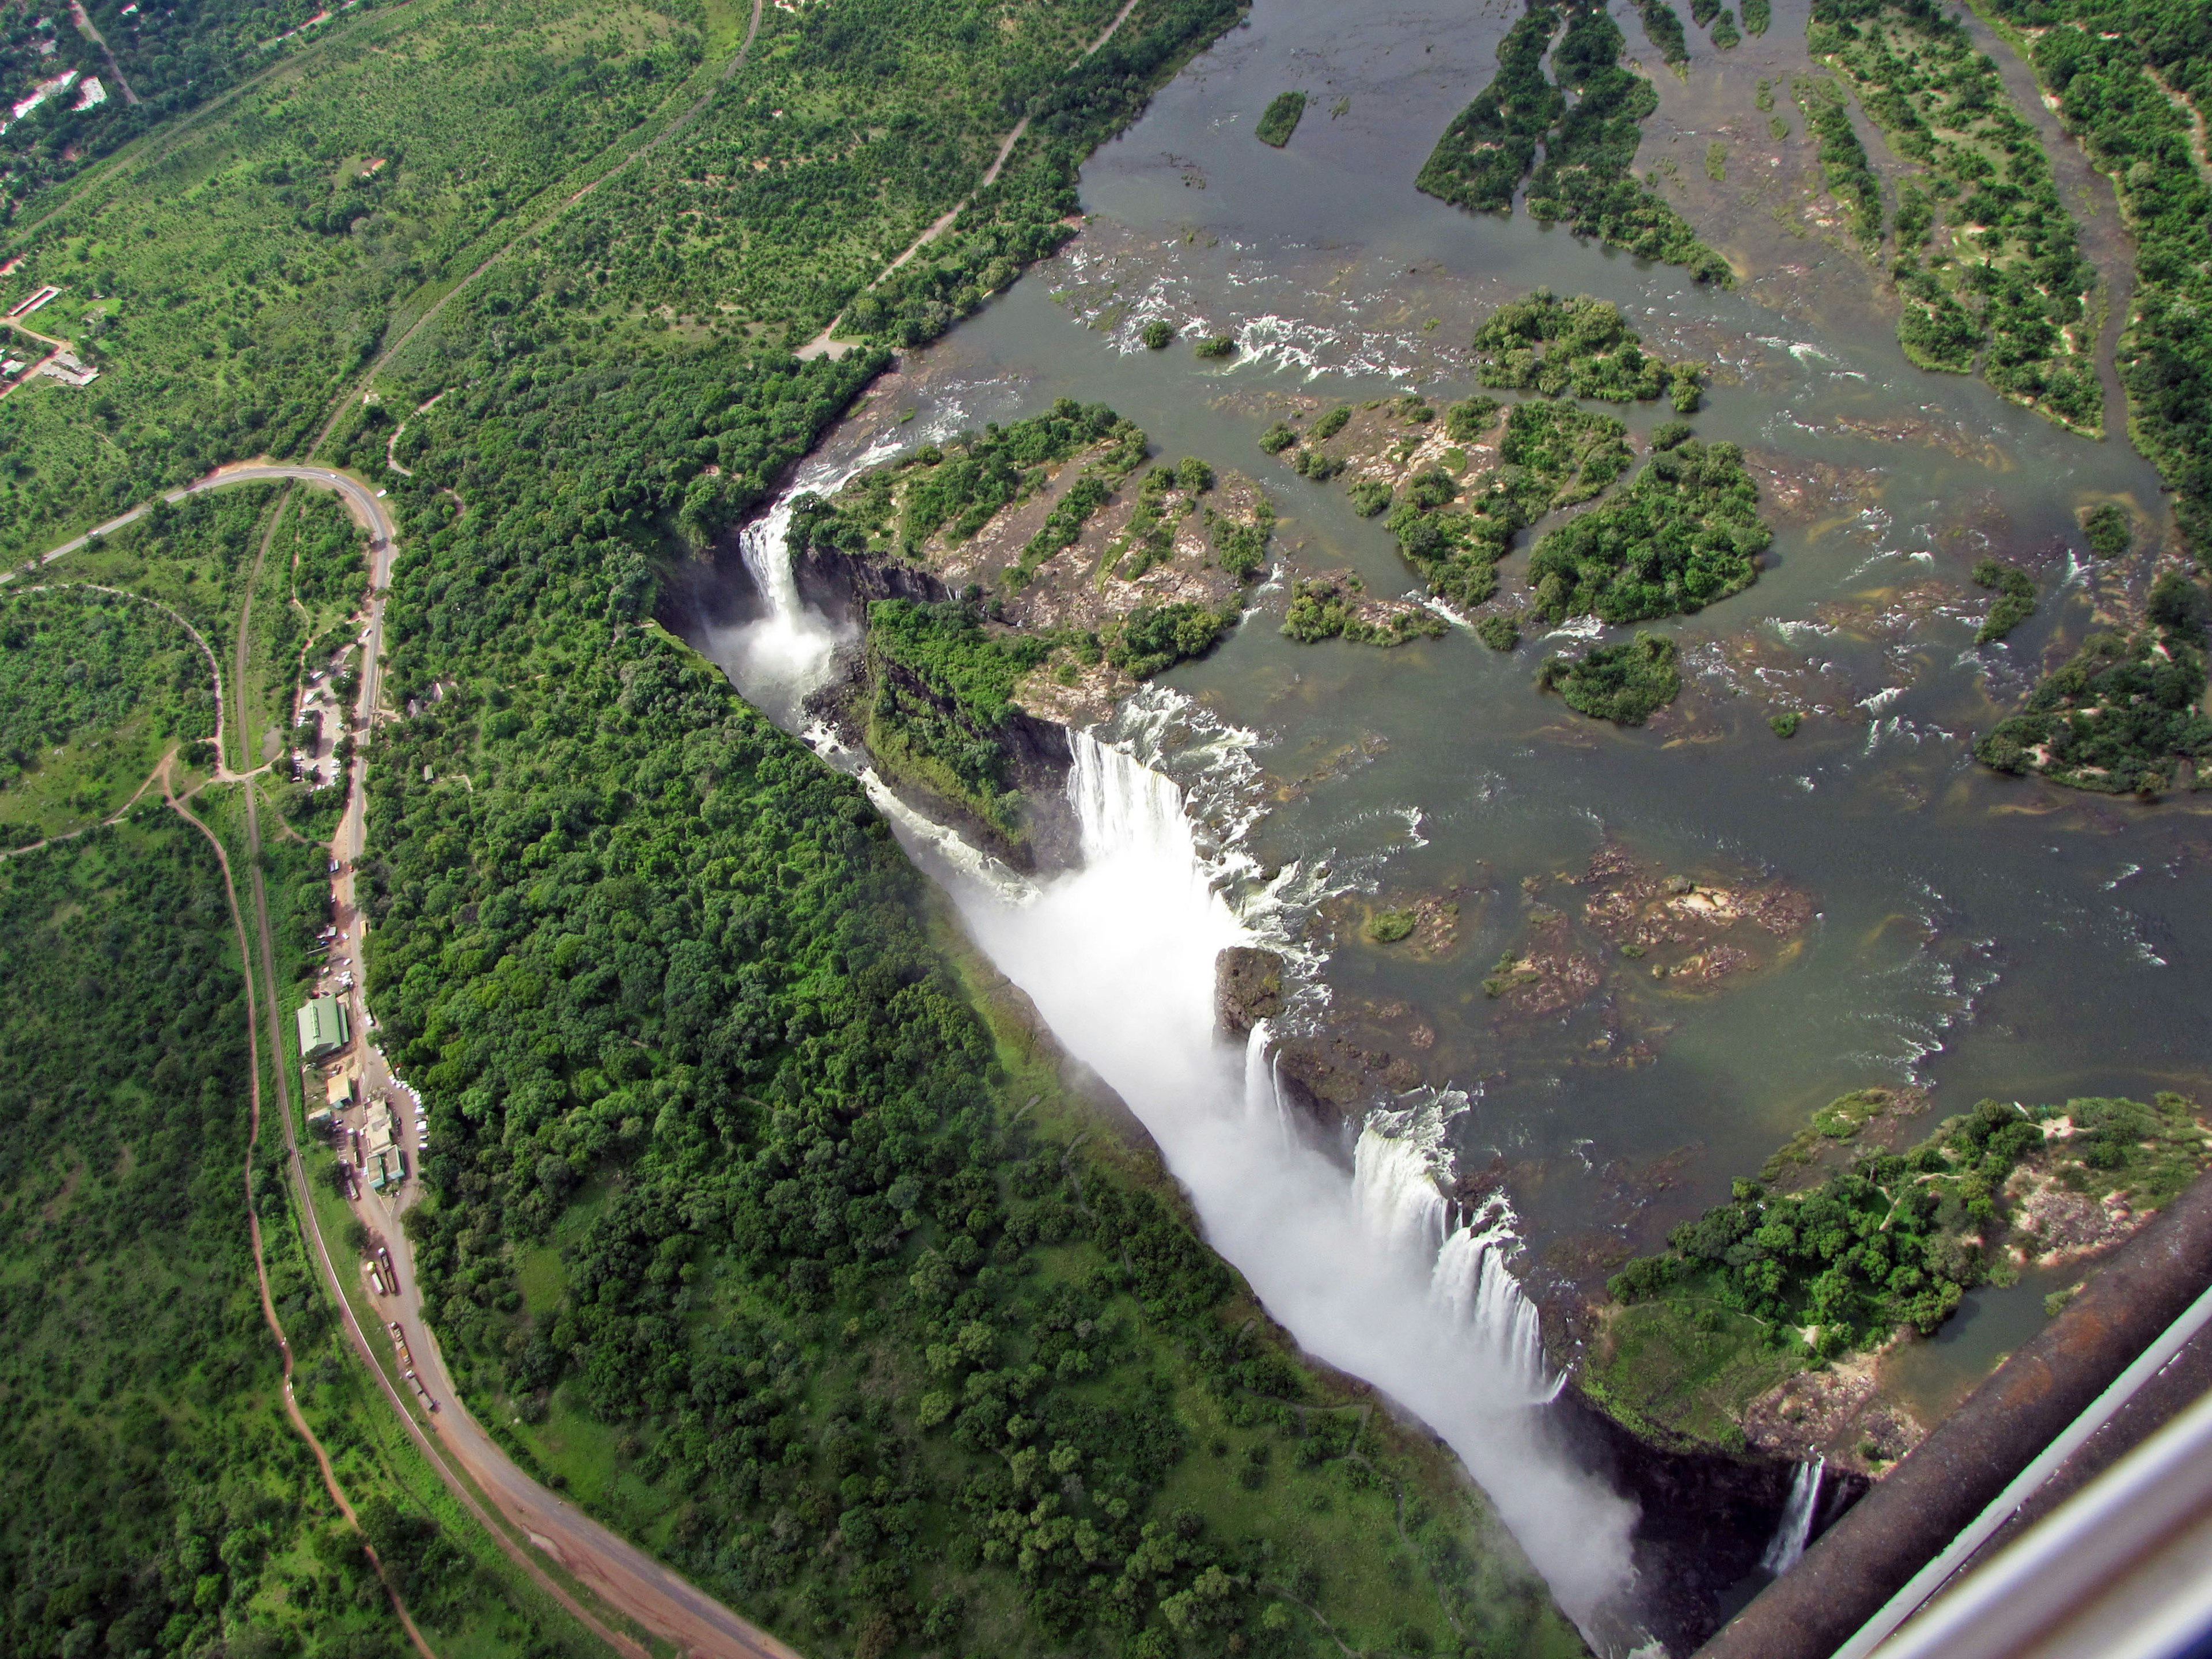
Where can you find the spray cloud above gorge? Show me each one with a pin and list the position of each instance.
(1214, 919)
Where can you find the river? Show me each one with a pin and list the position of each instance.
(1969, 934)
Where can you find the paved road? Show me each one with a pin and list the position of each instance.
(363, 502)
(616, 1570)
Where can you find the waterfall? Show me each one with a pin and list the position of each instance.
(1795, 1529)
(783, 656)
(1368, 1274)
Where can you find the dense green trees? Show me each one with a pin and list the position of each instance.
(2009, 274)
(1626, 683)
(1281, 119)
(2015, 600)
(1897, 1239)
(2121, 717)
(1685, 533)
(2119, 72)
(1580, 347)
(1589, 147)
(153, 1501)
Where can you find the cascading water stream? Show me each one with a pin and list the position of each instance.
(1370, 1274)
(782, 656)
(1795, 1530)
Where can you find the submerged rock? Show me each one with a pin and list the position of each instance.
(1247, 988)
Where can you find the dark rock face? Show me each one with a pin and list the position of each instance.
(1247, 988)
(1704, 1518)
(1333, 1080)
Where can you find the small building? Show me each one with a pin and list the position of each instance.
(338, 1093)
(322, 1029)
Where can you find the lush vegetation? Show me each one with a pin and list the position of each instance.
(943, 687)
(1662, 25)
(1499, 633)
(93, 687)
(164, 61)
(1281, 119)
(1330, 610)
(1588, 177)
(1686, 533)
(2015, 600)
(238, 273)
(2008, 281)
(2123, 716)
(1758, 15)
(1850, 175)
(1153, 638)
(153, 1501)
(1580, 347)
(1896, 1239)
(1626, 683)
(2108, 529)
(2121, 74)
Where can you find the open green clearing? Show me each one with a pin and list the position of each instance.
(239, 276)
(94, 687)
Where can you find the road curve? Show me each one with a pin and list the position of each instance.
(365, 503)
(623, 1576)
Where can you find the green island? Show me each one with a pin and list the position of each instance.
(2015, 598)
(1663, 26)
(2122, 715)
(1586, 179)
(2112, 69)
(1845, 1243)
(2007, 282)
(1844, 159)
(1281, 119)
(1626, 682)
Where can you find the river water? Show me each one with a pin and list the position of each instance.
(1971, 935)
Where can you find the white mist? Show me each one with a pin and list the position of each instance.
(1370, 1272)
(1366, 1272)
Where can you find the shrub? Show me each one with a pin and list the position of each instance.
(1216, 345)
(1786, 723)
(1157, 335)
(1368, 496)
(2015, 601)
(1280, 120)
(1276, 439)
(1499, 633)
(1331, 423)
(1626, 683)
(2108, 530)
(1388, 926)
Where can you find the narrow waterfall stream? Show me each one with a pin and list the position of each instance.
(1373, 1272)
(1795, 1529)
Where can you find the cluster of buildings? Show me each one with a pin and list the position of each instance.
(368, 1128)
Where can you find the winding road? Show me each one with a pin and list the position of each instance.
(480, 1475)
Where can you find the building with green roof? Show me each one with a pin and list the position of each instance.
(322, 1028)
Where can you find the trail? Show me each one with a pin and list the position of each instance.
(253, 1220)
(697, 109)
(821, 345)
(84, 26)
(359, 497)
